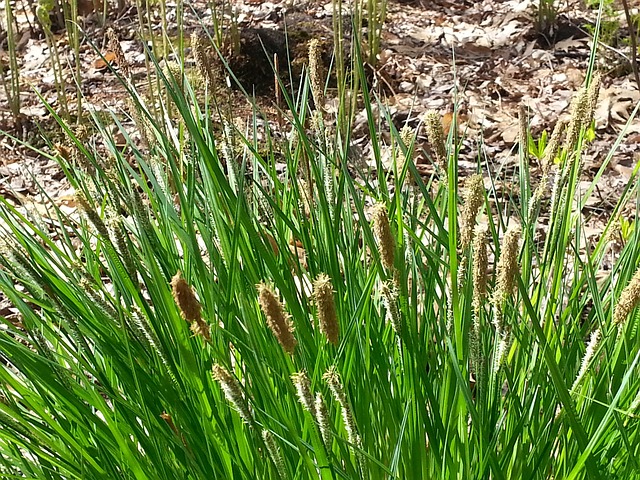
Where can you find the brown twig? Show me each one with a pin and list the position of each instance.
(632, 37)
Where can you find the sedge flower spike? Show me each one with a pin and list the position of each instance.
(322, 417)
(508, 263)
(473, 196)
(185, 298)
(592, 347)
(384, 237)
(315, 74)
(327, 315)
(436, 137)
(232, 391)
(303, 389)
(274, 453)
(480, 266)
(277, 319)
(629, 299)
(507, 270)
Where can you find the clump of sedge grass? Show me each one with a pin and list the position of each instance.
(100, 378)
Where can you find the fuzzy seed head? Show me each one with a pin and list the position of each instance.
(498, 354)
(407, 135)
(232, 391)
(322, 417)
(92, 215)
(186, 299)
(553, 147)
(277, 320)
(303, 389)
(629, 299)
(315, 74)
(201, 59)
(473, 199)
(382, 232)
(480, 266)
(274, 453)
(593, 95)
(201, 328)
(390, 299)
(589, 353)
(436, 137)
(332, 377)
(579, 114)
(327, 316)
(507, 267)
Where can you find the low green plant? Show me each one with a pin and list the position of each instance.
(546, 18)
(210, 315)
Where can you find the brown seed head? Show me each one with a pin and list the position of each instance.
(407, 135)
(382, 231)
(201, 328)
(277, 320)
(186, 299)
(327, 315)
(593, 95)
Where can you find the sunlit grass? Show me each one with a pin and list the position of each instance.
(209, 315)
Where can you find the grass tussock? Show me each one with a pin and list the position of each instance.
(396, 330)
